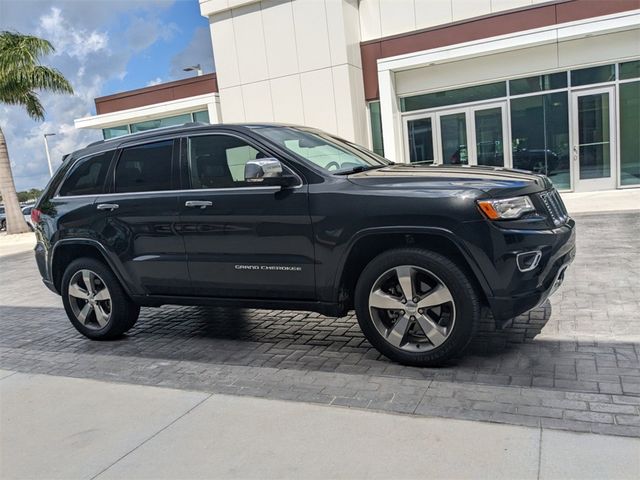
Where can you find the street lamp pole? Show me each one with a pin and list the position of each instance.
(194, 68)
(46, 147)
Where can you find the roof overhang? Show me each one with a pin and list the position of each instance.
(148, 112)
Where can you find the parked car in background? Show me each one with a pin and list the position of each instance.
(281, 217)
(3, 219)
(26, 211)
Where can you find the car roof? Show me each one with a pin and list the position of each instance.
(113, 143)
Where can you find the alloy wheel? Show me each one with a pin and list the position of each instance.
(90, 299)
(412, 309)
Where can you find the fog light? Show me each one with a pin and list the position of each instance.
(527, 261)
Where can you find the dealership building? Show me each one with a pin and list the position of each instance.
(550, 86)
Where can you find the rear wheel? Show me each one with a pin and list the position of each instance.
(416, 307)
(95, 302)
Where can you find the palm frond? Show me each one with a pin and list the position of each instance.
(17, 50)
(21, 73)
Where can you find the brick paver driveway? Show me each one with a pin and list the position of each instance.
(573, 363)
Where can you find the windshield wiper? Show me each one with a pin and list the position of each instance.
(358, 169)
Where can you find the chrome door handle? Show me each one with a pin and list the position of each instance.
(108, 206)
(198, 203)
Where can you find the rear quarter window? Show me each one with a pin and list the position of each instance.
(88, 176)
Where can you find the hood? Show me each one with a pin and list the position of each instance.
(495, 181)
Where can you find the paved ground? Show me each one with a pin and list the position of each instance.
(573, 364)
(57, 427)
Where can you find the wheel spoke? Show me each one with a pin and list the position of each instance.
(87, 277)
(435, 297)
(84, 313)
(102, 295)
(379, 299)
(396, 334)
(405, 279)
(76, 291)
(430, 328)
(101, 317)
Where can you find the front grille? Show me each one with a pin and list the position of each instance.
(554, 205)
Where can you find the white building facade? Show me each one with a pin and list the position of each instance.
(550, 86)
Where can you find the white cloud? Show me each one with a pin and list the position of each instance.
(89, 54)
(155, 81)
(69, 40)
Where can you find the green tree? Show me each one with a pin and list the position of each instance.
(21, 77)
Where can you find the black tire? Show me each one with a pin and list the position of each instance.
(3, 225)
(465, 298)
(124, 313)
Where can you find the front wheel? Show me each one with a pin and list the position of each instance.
(95, 302)
(416, 306)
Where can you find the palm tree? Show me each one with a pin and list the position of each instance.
(21, 75)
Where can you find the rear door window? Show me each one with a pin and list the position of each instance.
(145, 168)
(87, 178)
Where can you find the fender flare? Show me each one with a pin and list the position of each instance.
(408, 230)
(103, 251)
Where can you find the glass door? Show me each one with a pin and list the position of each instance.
(489, 129)
(453, 137)
(419, 142)
(461, 136)
(594, 159)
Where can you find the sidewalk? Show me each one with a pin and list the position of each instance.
(58, 427)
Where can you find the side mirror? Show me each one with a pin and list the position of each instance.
(268, 171)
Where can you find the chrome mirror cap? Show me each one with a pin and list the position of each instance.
(258, 170)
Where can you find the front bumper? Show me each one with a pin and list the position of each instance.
(526, 290)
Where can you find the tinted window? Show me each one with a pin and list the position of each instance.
(145, 168)
(87, 178)
(217, 161)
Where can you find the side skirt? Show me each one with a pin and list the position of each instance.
(324, 308)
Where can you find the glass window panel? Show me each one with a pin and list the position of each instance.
(540, 136)
(489, 142)
(586, 76)
(145, 168)
(376, 128)
(453, 129)
(593, 136)
(113, 132)
(160, 122)
(218, 161)
(202, 116)
(629, 137)
(88, 177)
(630, 70)
(538, 83)
(453, 97)
(420, 140)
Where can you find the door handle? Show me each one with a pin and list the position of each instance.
(575, 153)
(198, 204)
(108, 206)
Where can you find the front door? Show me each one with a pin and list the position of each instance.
(243, 240)
(459, 136)
(594, 159)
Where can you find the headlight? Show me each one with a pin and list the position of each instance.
(506, 208)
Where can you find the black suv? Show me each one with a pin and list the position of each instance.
(284, 217)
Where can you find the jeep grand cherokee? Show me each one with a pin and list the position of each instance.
(283, 217)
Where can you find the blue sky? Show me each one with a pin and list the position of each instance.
(102, 47)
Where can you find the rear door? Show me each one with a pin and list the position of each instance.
(242, 239)
(141, 214)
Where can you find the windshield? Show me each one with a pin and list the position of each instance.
(327, 152)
